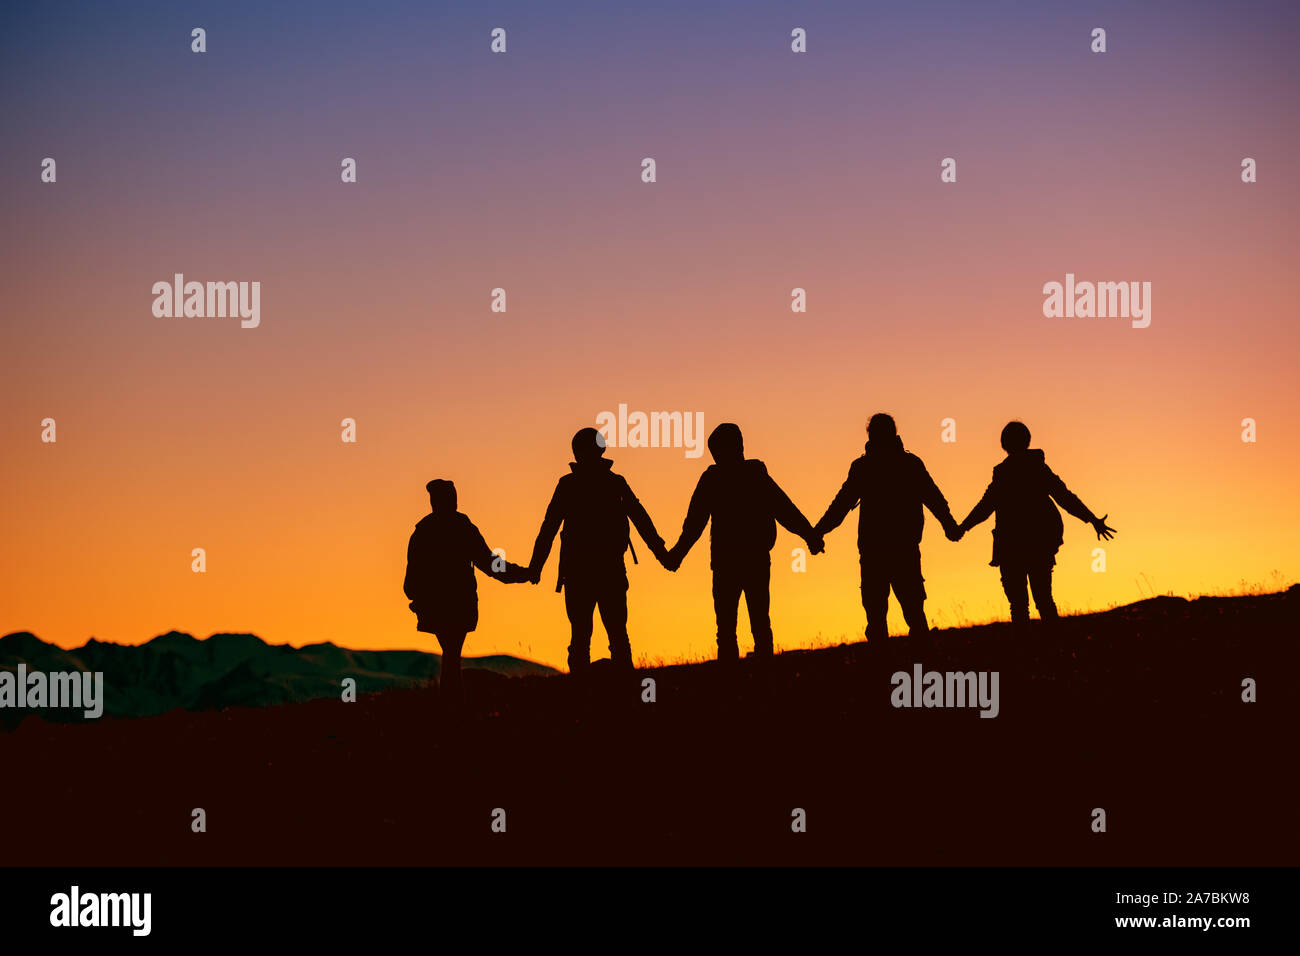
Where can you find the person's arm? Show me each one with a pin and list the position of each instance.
(488, 562)
(1068, 500)
(546, 536)
(698, 513)
(414, 566)
(933, 499)
(641, 520)
(844, 502)
(980, 512)
(790, 517)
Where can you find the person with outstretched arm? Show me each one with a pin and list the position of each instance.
(1027, 530)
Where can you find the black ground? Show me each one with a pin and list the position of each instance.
(1137, 711)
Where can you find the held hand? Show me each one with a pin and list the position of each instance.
(955, 532)
(1103, 530)
(671, 560)
(816, 544)
(534, 575)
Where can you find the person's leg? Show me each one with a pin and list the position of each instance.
(1040, 579)
(909, 588)
(613, 614)
(579, 604)
(451, 688)
(1013, 585)
(726, 603)
(875, 599)
(758, 598)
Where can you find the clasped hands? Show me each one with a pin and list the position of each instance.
(670, 558)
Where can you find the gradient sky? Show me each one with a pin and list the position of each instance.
(522, 171)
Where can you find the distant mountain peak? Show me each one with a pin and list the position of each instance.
(10, 642)
(172, 637)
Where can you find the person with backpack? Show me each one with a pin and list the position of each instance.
(1027, 530)
(441, 556)
(891, 485)
(591, 509)
(745, 504)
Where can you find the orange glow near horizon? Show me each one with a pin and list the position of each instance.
(305, 535)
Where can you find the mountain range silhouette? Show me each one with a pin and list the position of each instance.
(177, 670)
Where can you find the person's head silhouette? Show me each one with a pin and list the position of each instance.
(588, 445)
(881, 428)
(442, 496)
(1015, 437)
(726, 444)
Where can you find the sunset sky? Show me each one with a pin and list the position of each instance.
(775, 170)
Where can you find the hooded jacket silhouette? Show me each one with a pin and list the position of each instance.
(441, 556)
(745, 504)
(591, 508)
(1028, 531)
(1024, 494)
(890, 485)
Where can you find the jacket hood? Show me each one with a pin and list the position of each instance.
(1029, 458)
(441, 517)
(594, 465)
(890, 446)
(752, 464)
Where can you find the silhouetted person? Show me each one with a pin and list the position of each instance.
(744, 503)
(1028, 530)
(440, 560)
(891, 485)
(594, 506)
